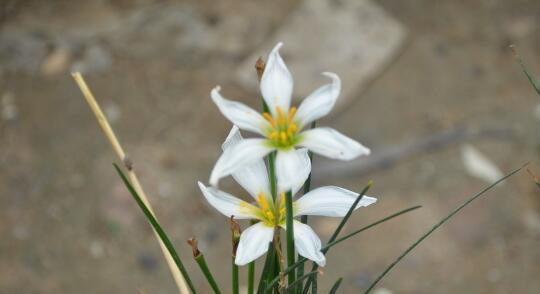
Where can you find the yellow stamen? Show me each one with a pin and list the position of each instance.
(281, 116)
(292, 112)
(274, 135)
(269, 118)
(263, 203)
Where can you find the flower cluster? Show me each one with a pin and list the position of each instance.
(286, 138)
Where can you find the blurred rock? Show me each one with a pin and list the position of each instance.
(95, 59)
(112, 111)
(382, 291)
(531, 219)
(21, 232)
(57, 62)
(96, 249)
(520, 27)
(22, 50)
(147, 261)
(313, 39)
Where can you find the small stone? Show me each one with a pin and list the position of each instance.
(21, 233)
(112, 111)
(147, 261)
(494, 275)
(57, 62)
(382, 291)
(10, 112)
(96, 249)
(95, 59)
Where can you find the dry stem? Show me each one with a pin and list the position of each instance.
(109, 133)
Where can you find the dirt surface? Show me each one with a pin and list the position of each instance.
(68, 225)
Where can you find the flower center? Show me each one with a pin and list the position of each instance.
(269, 213)
(284, 131)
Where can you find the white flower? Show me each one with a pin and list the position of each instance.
(325, 201)
(282, 126)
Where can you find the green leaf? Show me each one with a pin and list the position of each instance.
(531, 79)
(336, 286)
(435, 227)
(157, 227)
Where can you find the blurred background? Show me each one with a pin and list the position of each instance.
(430, 86)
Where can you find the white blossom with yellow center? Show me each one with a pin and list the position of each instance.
(324, 201)
(282, 125)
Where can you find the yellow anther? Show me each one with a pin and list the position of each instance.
(263, 203)
(281, 116)
(292, 112)
(269, 118)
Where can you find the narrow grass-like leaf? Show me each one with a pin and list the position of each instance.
(336, 286)
(251, 277)
(290, 235)
(159, 230)
(335, 242)
(330, 244)
(267, 274)
(531, 79)
(304, 218)
(435, 227)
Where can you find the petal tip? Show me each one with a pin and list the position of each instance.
(277, 47)
(331, 75)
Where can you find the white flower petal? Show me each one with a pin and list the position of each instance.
(329, 201)
(331, 143)
(238, 157)
(292, 169)
(254, 242)
(227, 204)
(254, 177)
(307, 243)
(276, 82)
(240, 114)
(320, 102)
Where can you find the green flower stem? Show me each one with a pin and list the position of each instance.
(304, 218)
(159, 230)
(267, 274)
(235, 287)
(251, 271)
(251, 275)
(201, 261)
(269, 269)
(290, 235)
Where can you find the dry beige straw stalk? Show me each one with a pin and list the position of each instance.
(102, 120)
